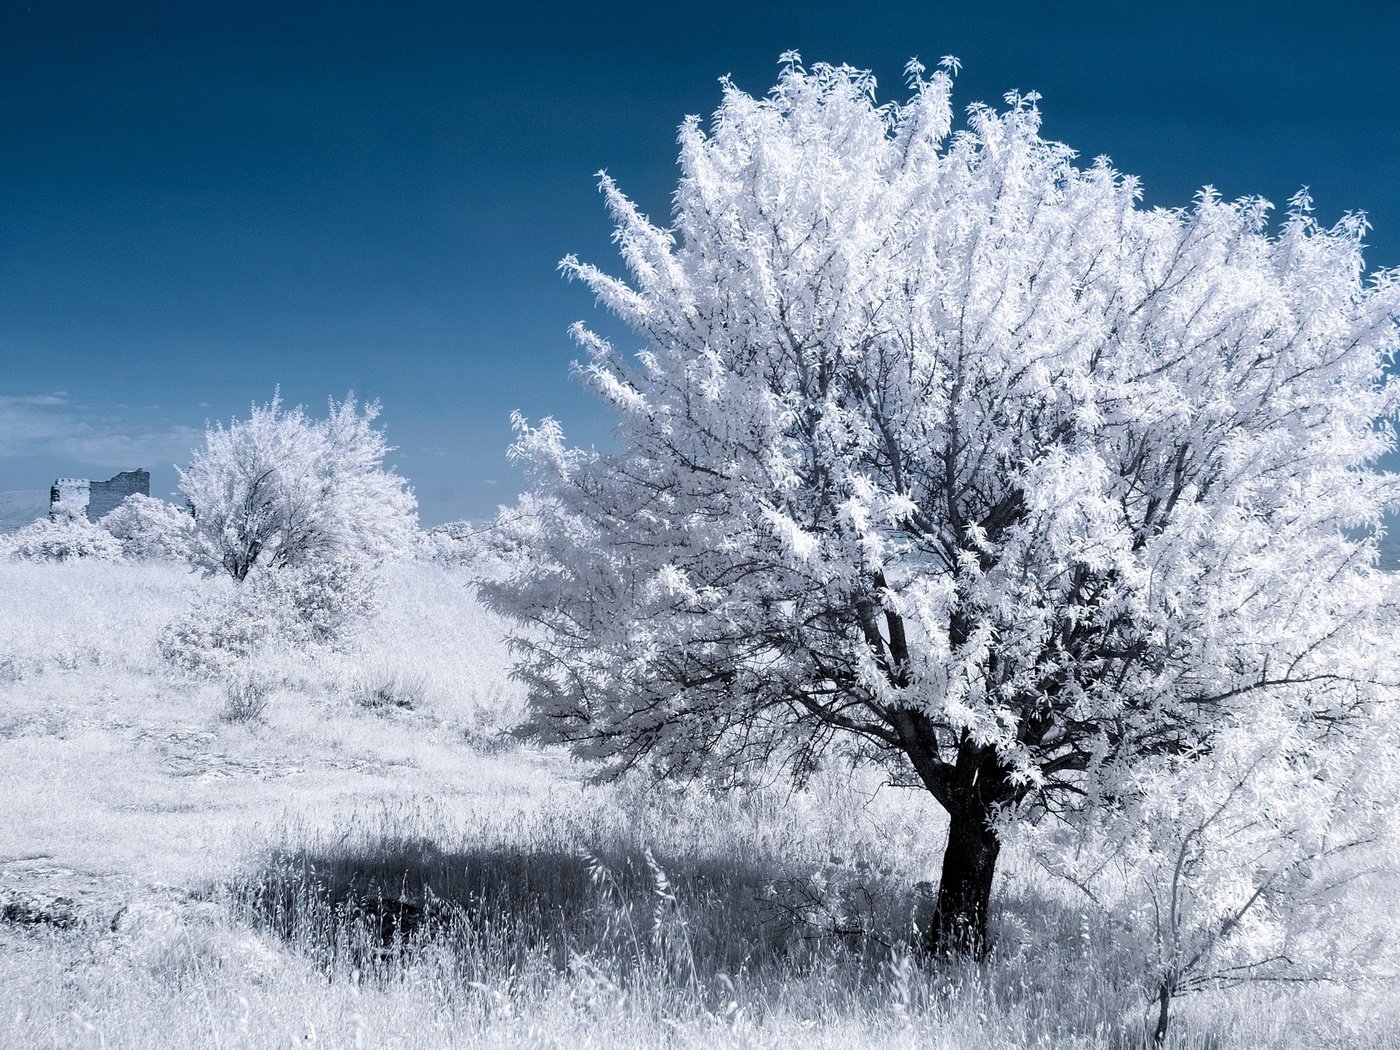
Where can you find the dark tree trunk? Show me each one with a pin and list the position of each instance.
(1164, 1005)
(965, 888)
(970, 789)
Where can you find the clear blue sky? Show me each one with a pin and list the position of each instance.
(200, 201)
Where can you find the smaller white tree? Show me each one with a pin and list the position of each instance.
(282, 490)
(1235, 866)
(151, 529)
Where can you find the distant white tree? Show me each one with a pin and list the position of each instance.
(282, 490)
(151, 528)
(941, 447)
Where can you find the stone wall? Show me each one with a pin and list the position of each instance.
(69, 496)
(96, 498)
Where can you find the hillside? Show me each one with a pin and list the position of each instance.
(344, 847)
(19, 508)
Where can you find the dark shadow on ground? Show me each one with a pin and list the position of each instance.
(498, 907)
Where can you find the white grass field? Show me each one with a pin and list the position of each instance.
(345, 848)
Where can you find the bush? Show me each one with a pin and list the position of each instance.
(211, 638)
(310, 605)
(151, 529)
(64, 538)
(324, 598)
(245, 696)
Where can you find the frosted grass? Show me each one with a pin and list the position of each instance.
(235, 880)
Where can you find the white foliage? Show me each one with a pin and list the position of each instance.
(151, 529)
(64, 537)
(310, 604)
(942, 444)
(1243, 864)
(280, 489)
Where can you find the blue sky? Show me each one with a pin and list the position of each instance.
(201, 201)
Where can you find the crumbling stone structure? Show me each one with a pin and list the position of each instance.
(96, 498)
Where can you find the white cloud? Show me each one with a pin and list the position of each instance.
(51, 427)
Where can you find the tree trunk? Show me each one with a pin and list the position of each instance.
(970, 790)
(965, 888)
(1164, 1003)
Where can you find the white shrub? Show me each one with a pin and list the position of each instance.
(1239, 865)
(63, 539)
(311, 604)
(151, 529)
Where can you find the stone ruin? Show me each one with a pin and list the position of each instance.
(96, 498)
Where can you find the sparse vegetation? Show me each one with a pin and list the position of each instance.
(385, 686)
(400, 889)
(246, 695)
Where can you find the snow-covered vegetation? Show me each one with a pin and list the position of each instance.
(282, 490)
(944, 454)
(247, 875)
(152, 529)
(63, 537)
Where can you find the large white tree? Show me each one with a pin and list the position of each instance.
(283, 490)
(940, 447)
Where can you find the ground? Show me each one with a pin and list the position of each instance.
(363, 856)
